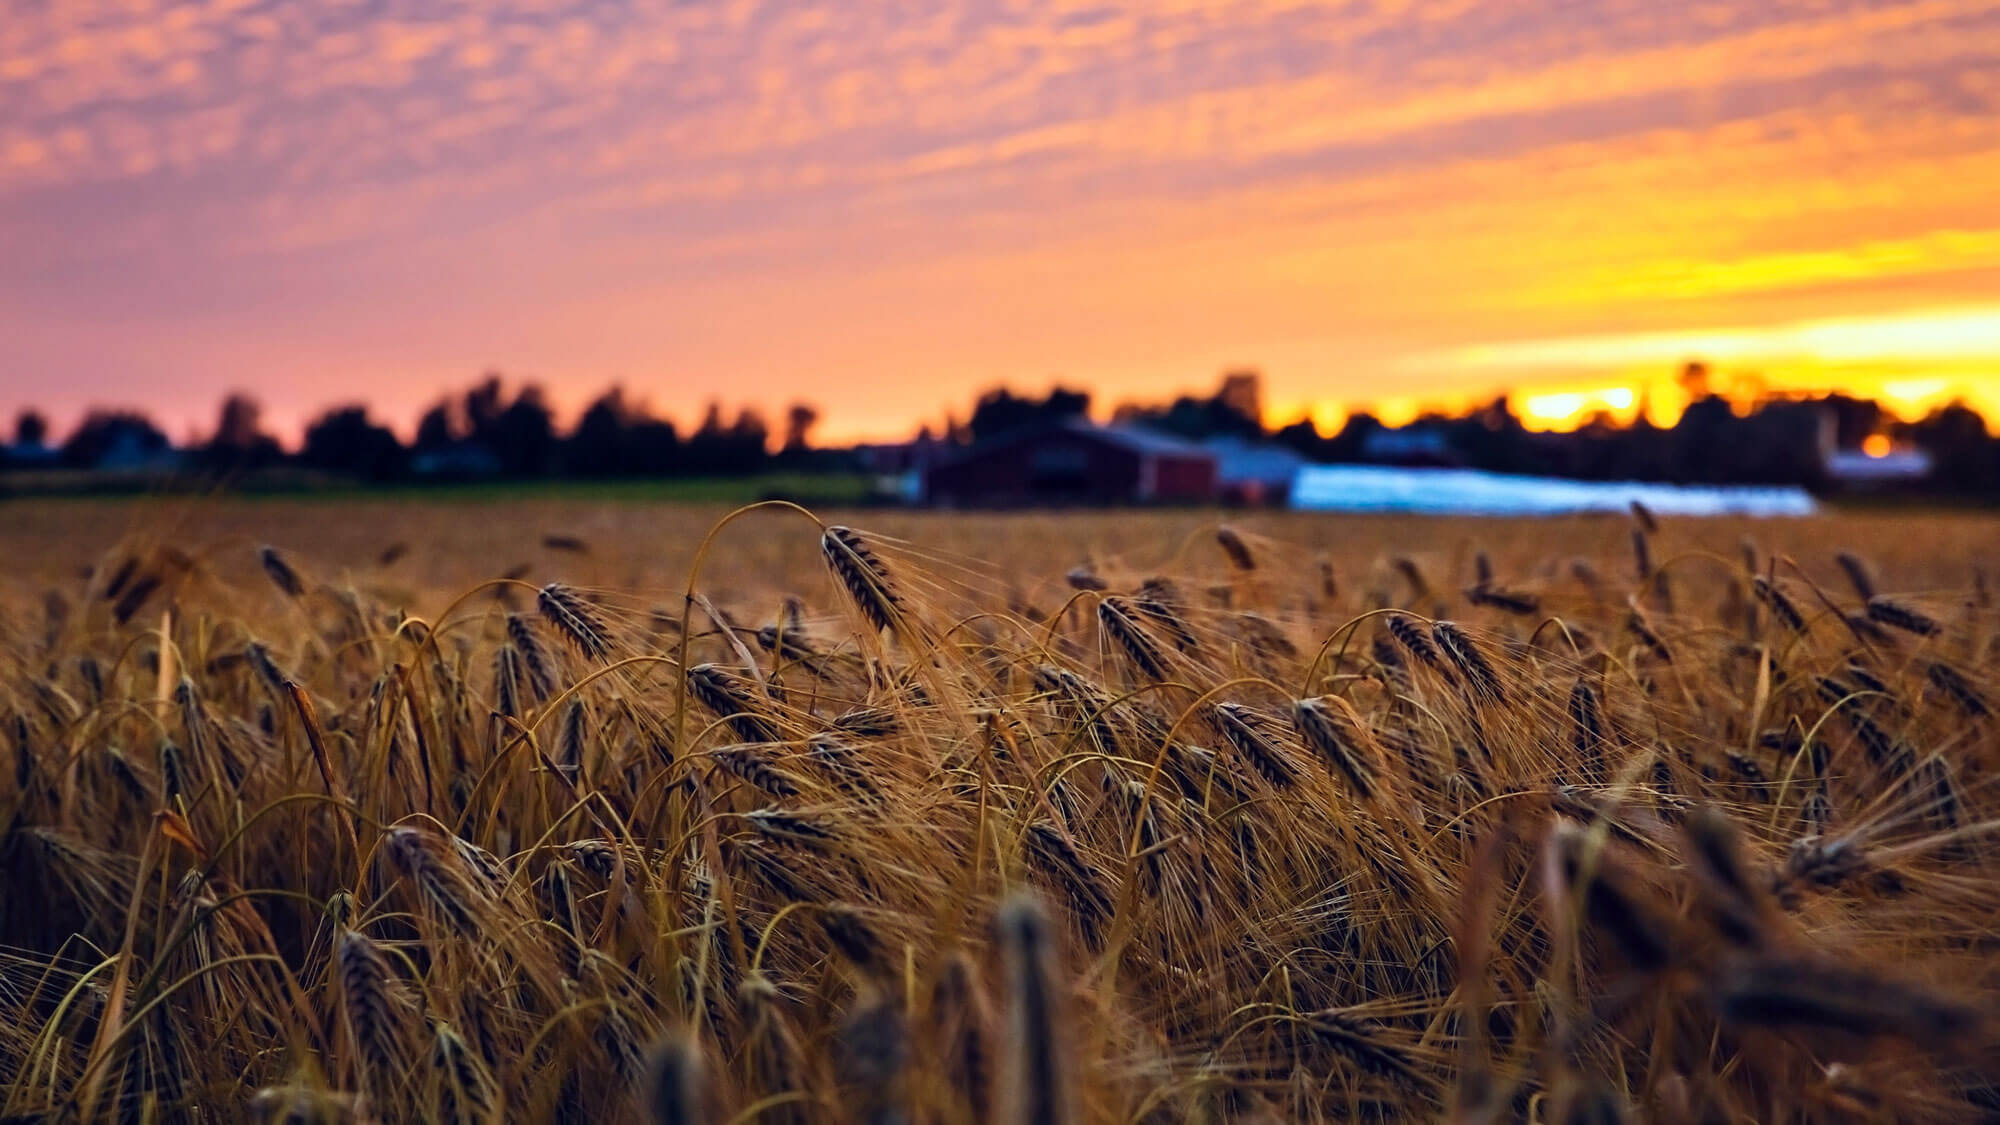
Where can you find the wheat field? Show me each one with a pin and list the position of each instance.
(406, 811)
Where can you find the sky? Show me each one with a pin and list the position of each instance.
(884, 207)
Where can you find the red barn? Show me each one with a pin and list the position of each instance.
(1074, 462)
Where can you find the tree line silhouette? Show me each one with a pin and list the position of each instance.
(492, 430)
(489, 430)
(1760, 438)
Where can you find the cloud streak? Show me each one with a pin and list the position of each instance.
(405, 191)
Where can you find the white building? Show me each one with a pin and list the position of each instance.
(1249, 472)
(1382, 488)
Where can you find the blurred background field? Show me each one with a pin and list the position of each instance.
(632, 539)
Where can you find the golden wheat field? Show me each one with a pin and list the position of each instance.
(589, 811)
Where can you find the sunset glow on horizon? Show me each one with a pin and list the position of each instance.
(885, 209)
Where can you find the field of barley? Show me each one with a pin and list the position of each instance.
(597, 811)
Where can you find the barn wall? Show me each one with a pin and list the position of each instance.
(1185, 479)
(1057, 468)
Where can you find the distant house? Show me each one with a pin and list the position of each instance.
(1074, 462)
(898, 468)
(895, 458)
(1414, 446)
(132, 451)
(1879, 464)
(1894, 467)
(1471, 492)
(1248, 472)
(29, 455)
(457, 460)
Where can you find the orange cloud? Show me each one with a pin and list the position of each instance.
(885, 209)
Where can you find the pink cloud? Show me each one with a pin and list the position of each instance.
(425, 188)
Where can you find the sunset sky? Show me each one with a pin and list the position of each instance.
(883, 207)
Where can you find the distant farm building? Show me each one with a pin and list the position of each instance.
(1253, 472)
(898, 468)
(29, 455)
(1074, 462)
(1421, 445)
(1471, 492)
(1892, 467)
(458, 461)
(132, 451)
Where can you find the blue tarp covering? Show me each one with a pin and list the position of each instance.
(1378, 488)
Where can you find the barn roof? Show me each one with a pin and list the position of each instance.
(1139, 439)
(1383, 488)
(1242, 462)
(1134, 439)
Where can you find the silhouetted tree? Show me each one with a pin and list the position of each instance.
(343, 440)
(1302, 437)
(115, 439)
(596, 448)
(1235, 409)
(800, 418)
(750, 426)
(30, 447)
(237, 427)
(1778, 444)
(1854, 419)
(436, 429)
(1739, 438)
(615, 437)
(1701, 447)
(1694, 380)
(1352, 441)
(31, 429)
(707, 447)
(239, 443)
(1492, 435)
(522, 435)
(728, 449)
(1965, 459)
(1000, 411)
(750, 440)
(481, 408)
(1242, 394)
(654, 446)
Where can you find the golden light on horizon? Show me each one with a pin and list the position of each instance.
(1401, 208)
(1568, 410)
(1926, 336)
(1661, 400)
(1912, 362)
